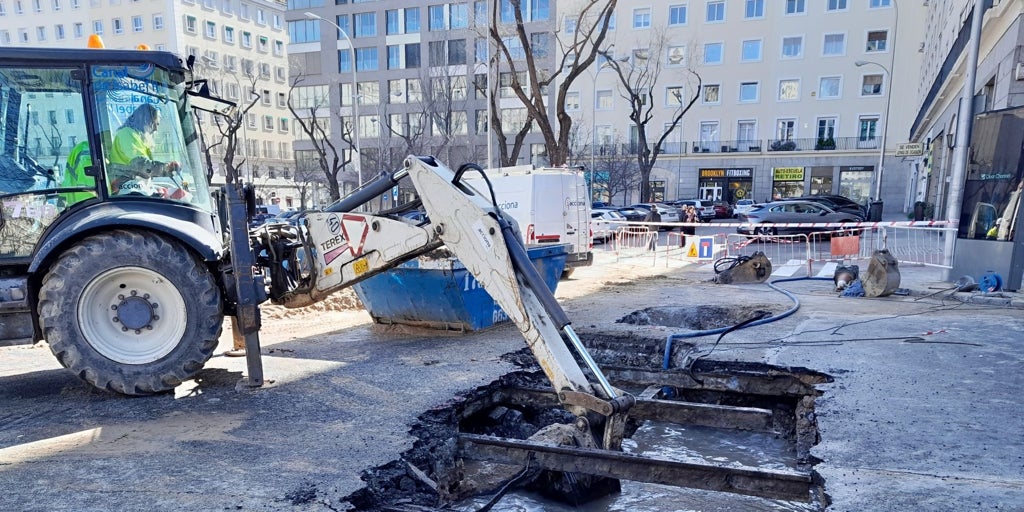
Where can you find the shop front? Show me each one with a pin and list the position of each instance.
(729, 185)
(821, 180)
(787, 182)
(855, 182)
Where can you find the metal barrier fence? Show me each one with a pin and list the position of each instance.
(911, 243)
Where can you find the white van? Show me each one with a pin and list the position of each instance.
(551, 206)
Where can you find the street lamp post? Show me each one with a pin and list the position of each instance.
(885, 125)
(355, 94)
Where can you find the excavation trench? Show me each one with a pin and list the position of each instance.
(725, 430)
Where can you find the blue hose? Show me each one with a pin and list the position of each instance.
(790, 311)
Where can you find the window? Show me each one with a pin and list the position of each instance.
(877, 40)
(796, 7)
(246, 40)
(97, 26)
(412, 55)
(789, 90)
(875, 4)
(826, 128)
(365, 24)
(713, 53)
(603, 100)
(78, 31)
(792, 47)
(262, 44)
(268, 123)
(229, 35)
(836, 5)
(749, 92)
(786, 129)
(57, 6)
(677, 15)
(539, 10)
(458, 16)
(190, 25)
(412, 20)
(642, 18)
(751, 50)
(58, 32)
(715, 11)
(456, 52)
(392, 24)
(480, 49)
(746, 131)
(136, 24)
(572, 101)
(835, 44)
(41, 33)
(211, 30)
(570, 25)
(676, 56)
(871, 85)
(868, 126)
(754, 9)
(278, 47)
(366, 59)
(710, 94)
(673, 96)
(282, 125)
(829, 87)
(708, 134)
(394, 56)
(435, 17)
(344, 61)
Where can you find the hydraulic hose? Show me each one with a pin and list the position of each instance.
(719, 330)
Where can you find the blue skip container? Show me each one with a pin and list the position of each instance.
(442, 294)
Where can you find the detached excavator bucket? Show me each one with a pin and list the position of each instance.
(883, 275)
(754, 269)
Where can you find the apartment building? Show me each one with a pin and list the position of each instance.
(232, 40)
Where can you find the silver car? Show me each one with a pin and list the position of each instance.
(761, 219)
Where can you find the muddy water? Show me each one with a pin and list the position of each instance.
(685, 444)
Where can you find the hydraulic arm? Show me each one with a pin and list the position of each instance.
(336, 248)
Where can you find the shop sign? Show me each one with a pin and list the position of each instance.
(739, 173)
(788, 173)
(712, 173)
(910, 149)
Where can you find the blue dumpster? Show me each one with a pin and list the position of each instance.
(442, 294)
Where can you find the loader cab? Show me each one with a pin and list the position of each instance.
(84, 127)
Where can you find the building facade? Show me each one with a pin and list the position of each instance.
(240, 46)
(783, 110)
(795, 97)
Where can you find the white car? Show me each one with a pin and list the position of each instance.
(742, 206)
(603, 224)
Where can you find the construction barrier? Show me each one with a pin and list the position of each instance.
(827, 245)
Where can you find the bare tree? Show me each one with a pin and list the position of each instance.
(530, 72)
(312, 113)
(638, 79)
(227, 127)
(619, 175)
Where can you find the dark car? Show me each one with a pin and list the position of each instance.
(762, 219)
(835, 202)
(632, 214)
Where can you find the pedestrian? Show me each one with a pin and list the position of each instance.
(74, 174)
(653, 216)
(691, 218)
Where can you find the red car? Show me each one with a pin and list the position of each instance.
(723, 210)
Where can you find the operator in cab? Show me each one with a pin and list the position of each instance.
(131, 154)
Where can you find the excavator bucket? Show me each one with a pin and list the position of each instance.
(754, 269)
(883, 275)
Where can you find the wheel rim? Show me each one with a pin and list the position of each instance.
(132, 315)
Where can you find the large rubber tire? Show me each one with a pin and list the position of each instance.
(170, 302)
(766, 230)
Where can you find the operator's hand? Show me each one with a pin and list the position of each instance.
(173, 167)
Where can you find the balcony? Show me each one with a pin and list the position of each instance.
(743, 147)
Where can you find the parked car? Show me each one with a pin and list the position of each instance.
(723, 210)
(836, 202)
(704, 208)
(668, 213)
(632, 214)
(603, 223)
(761, 219)
(742, 206)
(414, 217)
